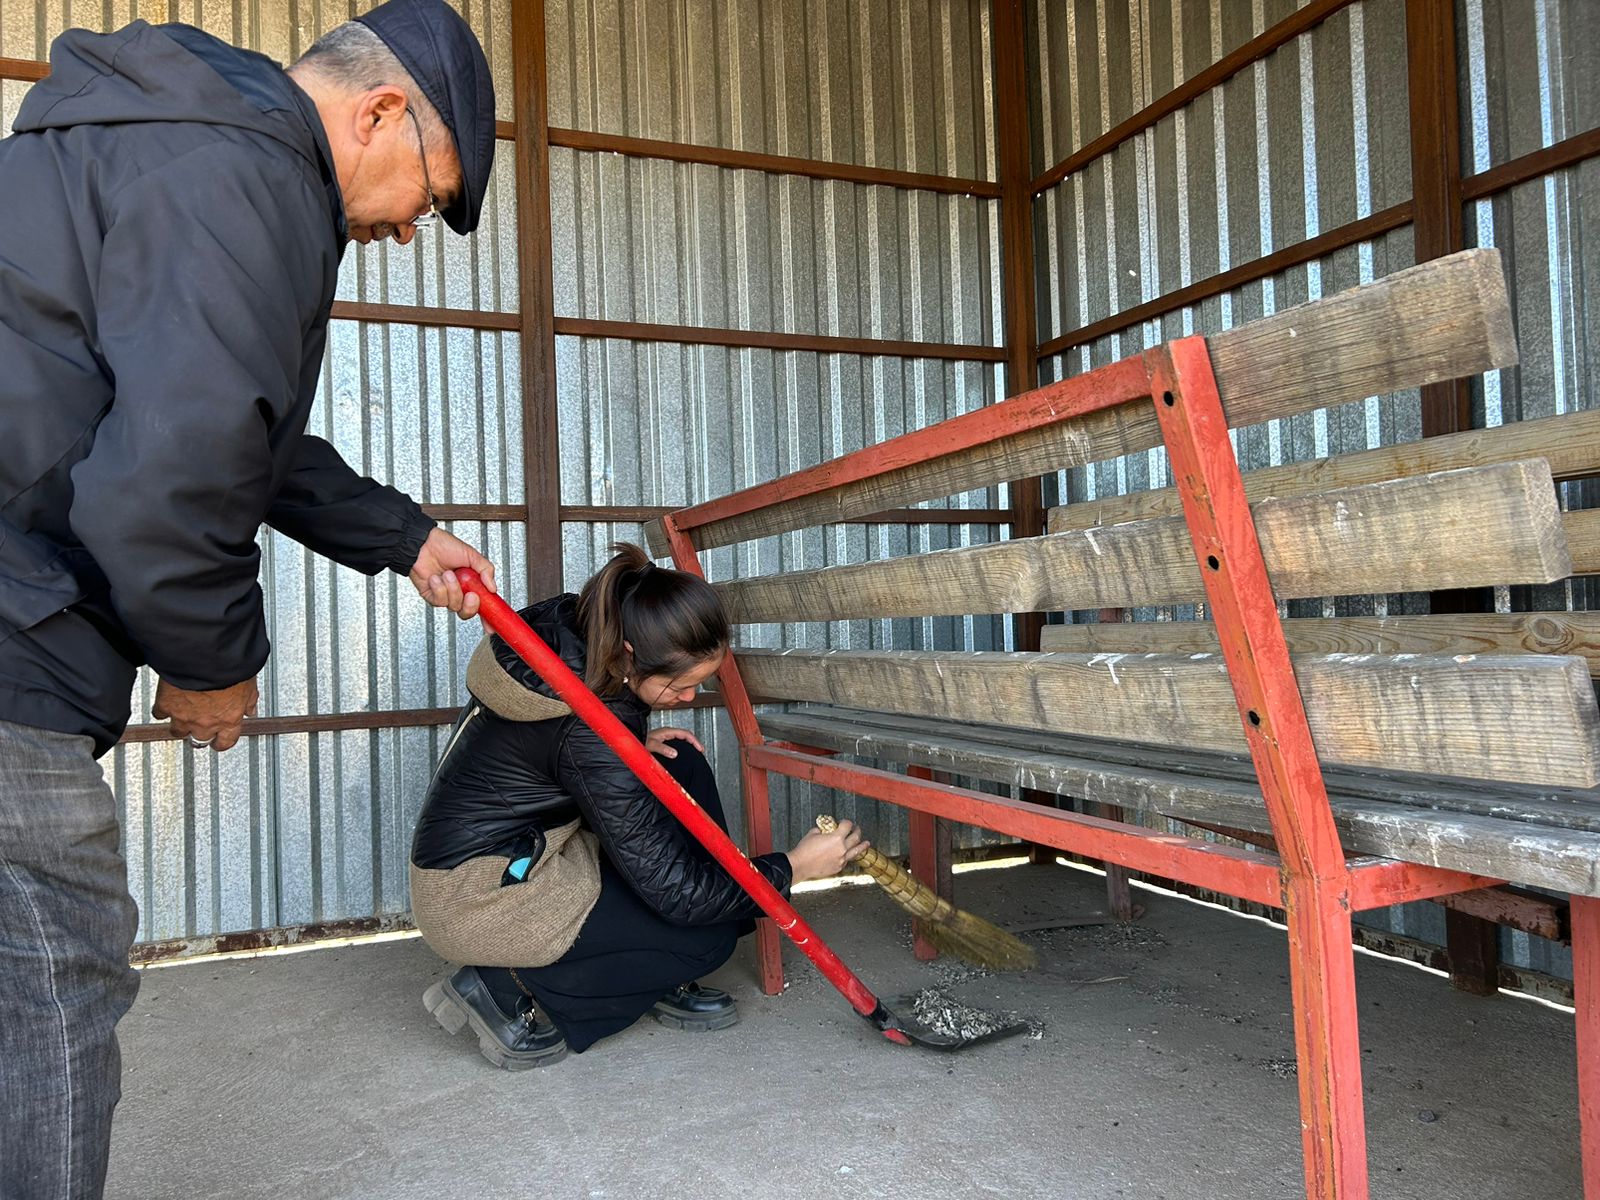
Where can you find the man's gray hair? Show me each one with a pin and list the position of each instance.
(351, 56)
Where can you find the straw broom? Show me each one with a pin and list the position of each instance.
(947, 927)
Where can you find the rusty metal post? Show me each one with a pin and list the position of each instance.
(541, 437)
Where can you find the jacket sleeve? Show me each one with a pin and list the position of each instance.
(645, 842)
(325, 506)
(206, 295)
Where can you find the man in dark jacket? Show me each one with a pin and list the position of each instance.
(176, 210)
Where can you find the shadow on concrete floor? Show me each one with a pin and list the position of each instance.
(1164, 1071)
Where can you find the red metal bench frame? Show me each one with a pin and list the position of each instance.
(1310, 879)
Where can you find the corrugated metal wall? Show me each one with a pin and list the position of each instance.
(298, 828)
(1310, 138)
(306, 827)
(1530, 77)
(878, 83)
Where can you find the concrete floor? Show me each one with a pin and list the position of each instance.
(1164, 1072)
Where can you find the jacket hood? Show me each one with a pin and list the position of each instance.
(147, 73)
(556, 621)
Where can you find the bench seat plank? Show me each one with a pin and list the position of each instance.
(1530, 836)
(1501, 523)
(1418, 713)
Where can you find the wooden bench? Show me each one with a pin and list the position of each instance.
(1461, 752)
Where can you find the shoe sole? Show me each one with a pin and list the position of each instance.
(708, 1024)
(453, 1013)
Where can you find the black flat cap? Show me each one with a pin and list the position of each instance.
(443, 57)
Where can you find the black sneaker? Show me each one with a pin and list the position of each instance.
(516, 1043)
(697, 1009)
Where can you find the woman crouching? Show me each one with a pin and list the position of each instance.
(577, 899)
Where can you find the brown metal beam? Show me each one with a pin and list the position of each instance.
(1259, 47)
(606, 513)
(249, 940)
(1020, 310)
(1016, 249)
(775, 164)
(541, 433)
(412, 314)
(696, 335)
(1517, 908)
(405, 718)
(1281, 260)
(1436, 220)
(893, 516)
(1471, 942)
(1567, 153)
(24, 69)
(476, 512)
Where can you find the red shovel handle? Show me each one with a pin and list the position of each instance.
(500, 617)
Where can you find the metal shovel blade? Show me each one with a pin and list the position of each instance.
(897, 1020)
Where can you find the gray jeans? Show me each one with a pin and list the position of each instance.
(66, 924)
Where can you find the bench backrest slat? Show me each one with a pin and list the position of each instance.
(1452, 633)
(1570, 442)
(1442, 319)
(1500, 522)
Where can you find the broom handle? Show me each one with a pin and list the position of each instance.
(907, 890)
(500, 617)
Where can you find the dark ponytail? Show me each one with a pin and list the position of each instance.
(674, 620)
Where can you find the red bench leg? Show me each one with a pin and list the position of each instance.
(930, 864)
(1586, 998)
(758, 840)
(1327, 1041)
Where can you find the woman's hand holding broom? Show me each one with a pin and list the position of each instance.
(819, 855)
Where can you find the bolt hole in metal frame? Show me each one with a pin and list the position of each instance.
(1310, 878)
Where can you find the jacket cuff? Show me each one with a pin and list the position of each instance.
(783, 870)
(413, 534)
(251, 659)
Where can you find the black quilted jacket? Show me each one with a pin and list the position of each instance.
(500, 781)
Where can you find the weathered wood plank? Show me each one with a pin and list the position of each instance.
(1583, 540)
(1424, 714)
(1565, 808)
(1501, 523)
(1443, 319)
(1571, 444)
(1451, 633)
(1564, 859)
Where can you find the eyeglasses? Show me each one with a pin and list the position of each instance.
(432, 215)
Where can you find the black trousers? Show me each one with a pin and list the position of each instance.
(626, 957)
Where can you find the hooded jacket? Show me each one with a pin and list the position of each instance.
(168, 262)
(501, 778)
